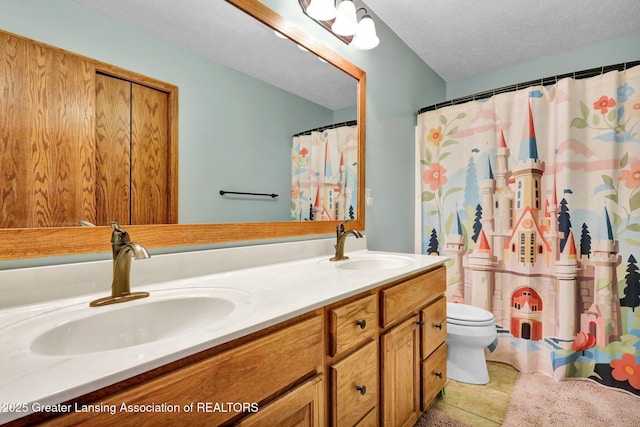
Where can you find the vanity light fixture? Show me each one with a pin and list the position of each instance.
(322, 10)
(346, 23)
(342, 22)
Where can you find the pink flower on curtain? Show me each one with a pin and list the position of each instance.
(303, 152)
(631, 176)
(295, 192)
(435, 136)
(583, 341)
(603, 104)
(435, 176)
(626, 369)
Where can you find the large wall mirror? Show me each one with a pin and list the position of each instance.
(200, 221)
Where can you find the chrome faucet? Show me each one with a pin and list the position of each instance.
(123, 250)
(341, 237)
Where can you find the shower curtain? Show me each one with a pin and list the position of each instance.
(535, 197)
(324, 175)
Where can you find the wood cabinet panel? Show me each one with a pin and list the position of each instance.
(113, 150)
(355, 385)
(369, 420)
(150, 178)
(434, 325)
(48, 143)
(251, 372)
(409, 296)
(301, 407)
(434, 375)
(401, 374)
(352, 324)
(71, 127)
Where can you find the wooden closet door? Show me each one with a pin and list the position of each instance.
(47, 135)
(150, 179)
(133, 152)
(113, 150)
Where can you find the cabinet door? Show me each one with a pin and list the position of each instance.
(401, 374)
(301, 407)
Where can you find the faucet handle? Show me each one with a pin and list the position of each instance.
(340, 227)
(119, 236)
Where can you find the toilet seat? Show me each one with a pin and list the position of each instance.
(468, 315)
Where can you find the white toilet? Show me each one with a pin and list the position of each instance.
(469, 330)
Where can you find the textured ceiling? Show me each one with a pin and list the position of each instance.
(456, 38)
(464, 38)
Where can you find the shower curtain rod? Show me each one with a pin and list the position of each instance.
(333, 126)
(591, 72)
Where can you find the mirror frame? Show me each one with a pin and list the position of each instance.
(21, 243)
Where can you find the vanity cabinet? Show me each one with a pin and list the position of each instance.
(225, 386)
(413, 348)
(374, 359)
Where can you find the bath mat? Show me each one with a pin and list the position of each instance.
(538, 400)
(435, 418)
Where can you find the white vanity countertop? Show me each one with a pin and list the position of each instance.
(277, 292)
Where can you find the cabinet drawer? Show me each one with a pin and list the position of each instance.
(352, 324)
(302, 407)
(403, 299)
(434, 375)
(434, 328)
(355, 385)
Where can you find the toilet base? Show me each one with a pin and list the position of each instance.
(468, 366)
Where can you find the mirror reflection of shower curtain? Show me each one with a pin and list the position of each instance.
(324, 175)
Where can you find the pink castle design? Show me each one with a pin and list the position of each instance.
(518, 271)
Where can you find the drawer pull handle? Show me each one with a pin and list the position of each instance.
(438, 325)
(438, 374)
(362, 389)
(420, 323)
(362, 323)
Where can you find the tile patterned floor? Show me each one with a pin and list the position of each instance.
(480, 405)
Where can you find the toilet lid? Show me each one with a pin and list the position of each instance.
(463, 314)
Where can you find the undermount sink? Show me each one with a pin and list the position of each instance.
(160, 316)
(371, 262)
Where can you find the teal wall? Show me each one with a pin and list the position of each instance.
(610, 52)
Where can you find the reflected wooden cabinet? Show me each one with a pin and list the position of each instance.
(46, 133)
(82, 140)
(132, 155)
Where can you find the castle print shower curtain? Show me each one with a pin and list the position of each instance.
(324, 171)
(535, 197)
